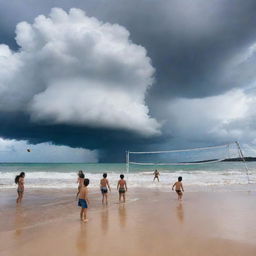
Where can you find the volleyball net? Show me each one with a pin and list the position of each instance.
(186, 157)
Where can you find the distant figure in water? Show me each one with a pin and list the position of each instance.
(19, 180)
(83, 201)
(178, 188)
(80, 181)
(122, 188)
(156, 173)
(104, 186)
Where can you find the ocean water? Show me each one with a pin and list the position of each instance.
(63, 175)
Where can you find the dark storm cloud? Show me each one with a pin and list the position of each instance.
(190, 43)
(111, 143)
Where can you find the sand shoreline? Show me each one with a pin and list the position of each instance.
(150, 223)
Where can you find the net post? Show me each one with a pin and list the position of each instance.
(242, 157)
(228, 151)
(127, 161)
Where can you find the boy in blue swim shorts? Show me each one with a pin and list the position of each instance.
(83, 200)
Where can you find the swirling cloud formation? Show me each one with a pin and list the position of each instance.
(74, 69)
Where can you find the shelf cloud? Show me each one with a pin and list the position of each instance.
(141, 75)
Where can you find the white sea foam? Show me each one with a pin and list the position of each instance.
(49, 179)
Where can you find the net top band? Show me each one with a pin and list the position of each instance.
(180, 150)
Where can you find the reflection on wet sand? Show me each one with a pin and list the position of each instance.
(19, 221)
(104, 220)
(81, 243)
(134, 228)
(180, 212)
(122, 215)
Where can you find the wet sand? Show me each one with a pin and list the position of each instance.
(151, 222)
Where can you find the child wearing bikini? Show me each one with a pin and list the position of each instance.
(178, 188)
(83, 201)
(80, 181)
(122, 188)
(19, 180)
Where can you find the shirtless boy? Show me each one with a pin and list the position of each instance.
(156, 173)
(83, 200)
(104, 186)
(122, 188)
(80, 181)
(178, 188)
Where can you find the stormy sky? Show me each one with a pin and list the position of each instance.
(101, 77)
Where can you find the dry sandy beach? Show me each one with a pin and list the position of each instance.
(152, 222)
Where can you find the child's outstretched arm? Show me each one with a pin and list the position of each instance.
(173, 185)
(125, 186)
(117, 185)
(182, 187)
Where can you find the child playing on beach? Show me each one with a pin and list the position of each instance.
(19, 180)
(122, 188)
(83, 200)
(104, 186)
(178, 187)
(80, 181)
(156, 173)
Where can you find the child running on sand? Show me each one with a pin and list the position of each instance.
(178, 187)
(19, 180)
(156, 173)
(104, 186)
(122, 188)
(80, 181)
(83, 200)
